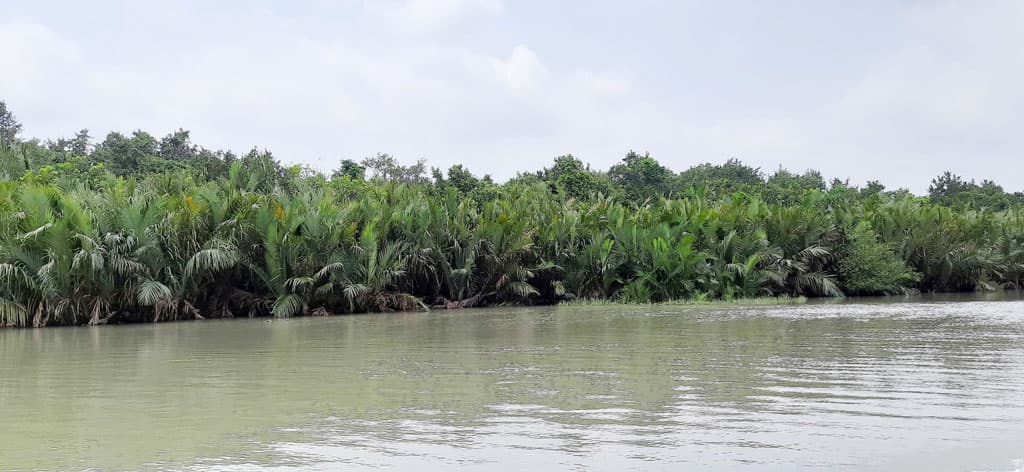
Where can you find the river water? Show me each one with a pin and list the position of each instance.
(897, 384)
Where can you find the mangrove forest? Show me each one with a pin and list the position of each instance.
(135, 228)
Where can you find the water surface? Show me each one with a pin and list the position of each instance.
(874, 384)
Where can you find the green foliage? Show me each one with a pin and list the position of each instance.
(9, 126)
(788, 188)
(349, 169)
(950, 189)
(385, 168)
(140, 229)
(575, 178)
(267, 242)
(462, 180)
(641, 176)
(869, 267)
(721, 180)
(13, 163)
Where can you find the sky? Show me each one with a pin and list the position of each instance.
(897, 91)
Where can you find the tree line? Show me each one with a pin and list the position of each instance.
(135, 228)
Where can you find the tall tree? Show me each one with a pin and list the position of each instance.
(126, 154)
(177, 146)
(575, 178)
(79, 146)
(946, 188)
(462, 179)
(733, 176)
(641, 176)
(9, 125)
(350, 169)
(387, 168)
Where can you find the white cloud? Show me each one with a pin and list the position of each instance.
(775, 136)
(919, 83)
(522, 70)
(602, 84)
(429, 16)
(320, 98)
(36, 61)
(947, 95)
(948, 99)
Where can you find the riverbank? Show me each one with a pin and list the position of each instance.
(755, 301)
(1004, 295)
(261, 242)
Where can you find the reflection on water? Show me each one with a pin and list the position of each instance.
(874, 384)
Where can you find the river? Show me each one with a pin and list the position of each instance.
(889, 384)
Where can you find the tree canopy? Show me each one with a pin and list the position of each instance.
(140, 228)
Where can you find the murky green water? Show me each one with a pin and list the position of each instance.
(928, 384)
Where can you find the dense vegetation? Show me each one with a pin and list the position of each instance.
(135, 228)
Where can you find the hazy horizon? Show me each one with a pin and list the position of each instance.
(890, 91)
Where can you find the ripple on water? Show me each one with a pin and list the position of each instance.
(851, 386)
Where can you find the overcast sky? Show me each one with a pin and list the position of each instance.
(892, 90)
